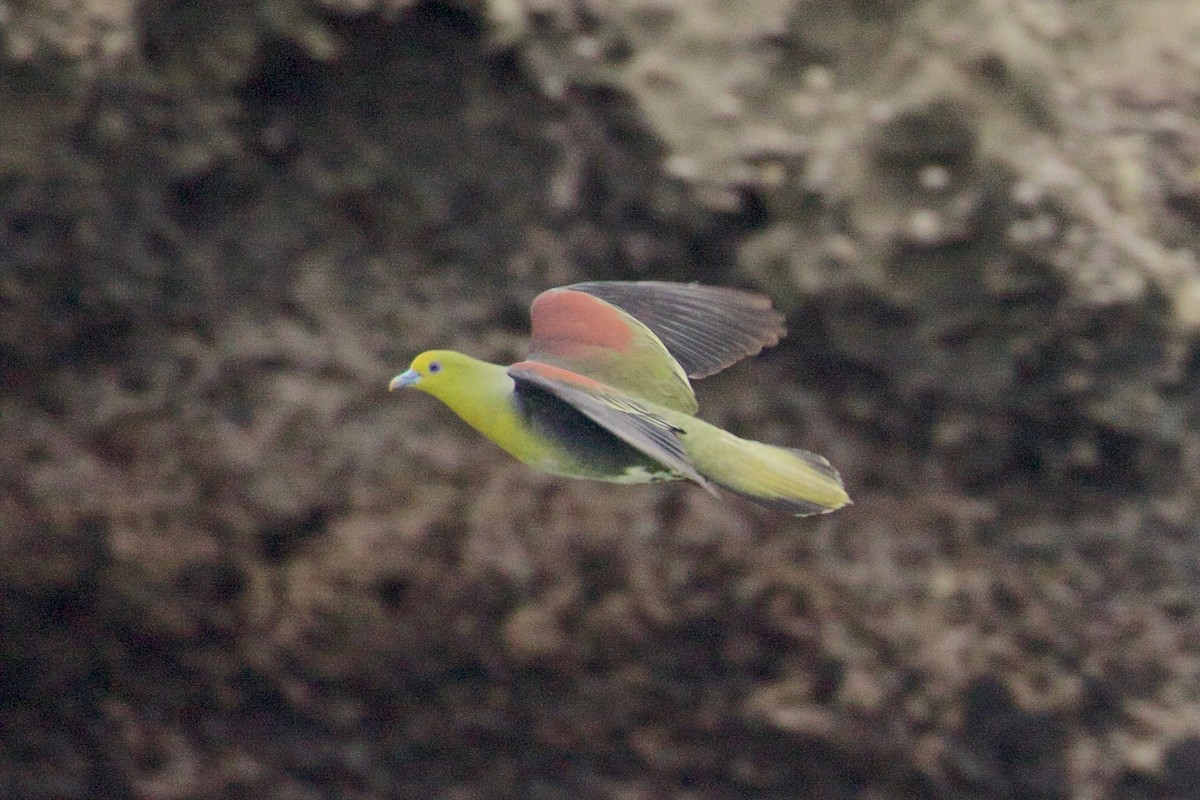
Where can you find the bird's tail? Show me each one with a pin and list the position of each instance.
(795, 481)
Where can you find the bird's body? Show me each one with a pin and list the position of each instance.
(540, 430)
(604, 393)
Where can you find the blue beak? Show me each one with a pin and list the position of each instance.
(406, 378)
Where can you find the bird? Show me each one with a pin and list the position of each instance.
(605, 393)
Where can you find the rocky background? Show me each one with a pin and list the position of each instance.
(232, 566)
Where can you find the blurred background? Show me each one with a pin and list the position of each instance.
(233, 566)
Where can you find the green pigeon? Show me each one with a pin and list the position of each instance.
(604, 393)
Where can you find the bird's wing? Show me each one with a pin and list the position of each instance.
(616, 412)
(705, 328)
(587, 335)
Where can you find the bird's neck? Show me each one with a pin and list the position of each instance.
(485, 401)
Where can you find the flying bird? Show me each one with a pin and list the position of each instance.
(604, 393)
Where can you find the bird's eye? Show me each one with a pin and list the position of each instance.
(435, 366)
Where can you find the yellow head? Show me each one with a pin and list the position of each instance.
(435, 371)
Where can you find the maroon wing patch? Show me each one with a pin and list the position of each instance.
(570, 324)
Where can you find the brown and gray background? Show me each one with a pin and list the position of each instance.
(233, 566)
